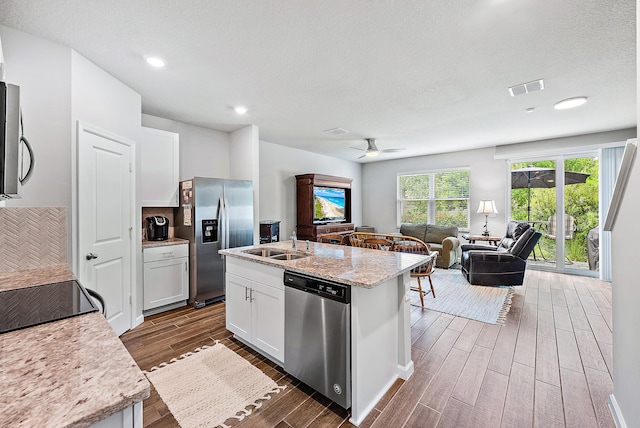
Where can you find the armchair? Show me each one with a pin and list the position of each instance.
(504, 264)
(442, 239)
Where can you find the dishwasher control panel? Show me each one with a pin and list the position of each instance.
(323, 288)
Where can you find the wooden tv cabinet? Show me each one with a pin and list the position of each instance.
(305, 210)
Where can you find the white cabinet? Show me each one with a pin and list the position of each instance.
(255, 305)
(166, 275)
(160, 163)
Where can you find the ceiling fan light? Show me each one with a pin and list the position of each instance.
(372, 153)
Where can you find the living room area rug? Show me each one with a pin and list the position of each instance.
(455, 296)
(206, 387)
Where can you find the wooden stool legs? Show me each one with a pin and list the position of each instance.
(433, 292)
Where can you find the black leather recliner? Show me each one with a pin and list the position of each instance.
(504, 264)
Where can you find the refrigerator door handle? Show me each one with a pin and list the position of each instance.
(226, 221)
(221, 224)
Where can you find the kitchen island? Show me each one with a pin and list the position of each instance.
(380, 331)
(72, 372)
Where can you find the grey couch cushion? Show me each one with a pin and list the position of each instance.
(417, 230)
(439, 233)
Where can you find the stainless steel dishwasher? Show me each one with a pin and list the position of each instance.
(317, 343)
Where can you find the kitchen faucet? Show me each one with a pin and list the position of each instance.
(294, 239)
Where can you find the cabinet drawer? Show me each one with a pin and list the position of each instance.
(165, 252)
(253, 271)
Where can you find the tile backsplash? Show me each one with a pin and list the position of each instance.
(32, 238)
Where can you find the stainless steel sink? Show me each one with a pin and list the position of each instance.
(264, 252)
(274, 254)
(288, 256)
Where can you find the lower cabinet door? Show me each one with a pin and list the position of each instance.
(268, 319)
(238, 306)
(165, 282)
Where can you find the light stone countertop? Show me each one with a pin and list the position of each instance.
(360, 267)
(71, 372)
(166, 242)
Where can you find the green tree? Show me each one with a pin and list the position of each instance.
(581, 202)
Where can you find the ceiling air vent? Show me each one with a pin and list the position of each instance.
(525, 88)
(336, 131)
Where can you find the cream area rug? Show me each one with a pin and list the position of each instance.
(455, 296)
(206, 387)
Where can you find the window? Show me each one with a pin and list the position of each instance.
(440, 198)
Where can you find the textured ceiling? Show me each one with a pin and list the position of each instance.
(427, 76)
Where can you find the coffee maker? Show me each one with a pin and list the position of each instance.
(157, 227)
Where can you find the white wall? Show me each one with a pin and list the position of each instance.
(561, 145)
(42, 69)
(59, 87)
(244, 164)
(488, 181)
(98, 99)
(626, 302)
(278, 167)
(626, 296)
(204, 152)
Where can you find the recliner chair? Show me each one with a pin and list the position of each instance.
(504, 264)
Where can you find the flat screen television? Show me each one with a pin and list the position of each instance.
(328, 205)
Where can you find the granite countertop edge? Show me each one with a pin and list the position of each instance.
(382, 265)
(166, 242)
(56, 372)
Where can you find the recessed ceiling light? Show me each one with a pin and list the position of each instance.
(570, 103)
(240, 109)
(155, 61)
(530, 110)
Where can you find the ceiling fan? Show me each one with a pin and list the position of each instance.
(372, 149)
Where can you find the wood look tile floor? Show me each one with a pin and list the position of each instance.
(548, 366)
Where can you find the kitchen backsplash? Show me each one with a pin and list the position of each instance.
(32, 238)
(163, 211)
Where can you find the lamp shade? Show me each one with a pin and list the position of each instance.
(487, 207)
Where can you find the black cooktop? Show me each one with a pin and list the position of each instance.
(26, 307)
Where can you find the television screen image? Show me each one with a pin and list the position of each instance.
(328, 204)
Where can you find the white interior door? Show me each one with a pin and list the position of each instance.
(105, 228)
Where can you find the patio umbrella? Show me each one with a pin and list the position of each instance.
(537, 177)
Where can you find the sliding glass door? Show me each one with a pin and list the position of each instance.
(559, 197)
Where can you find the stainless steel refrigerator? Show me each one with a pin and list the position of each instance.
(214, 214)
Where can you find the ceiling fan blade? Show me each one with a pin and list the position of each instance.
(358, 148)
(393, 150)
(360, 157)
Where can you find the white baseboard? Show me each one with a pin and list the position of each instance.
(404, 372)
(139, 320)
(616, 413)
(373, 402)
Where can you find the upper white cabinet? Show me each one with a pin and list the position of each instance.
(160, 162)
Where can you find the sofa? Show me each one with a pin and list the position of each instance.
(443, 239)
(501, 265)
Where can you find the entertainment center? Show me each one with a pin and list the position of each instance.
(323, 205)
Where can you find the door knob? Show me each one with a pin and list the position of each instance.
(91, 256)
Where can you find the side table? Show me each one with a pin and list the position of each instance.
(493, 240)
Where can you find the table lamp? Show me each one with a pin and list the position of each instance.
(486, 208)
